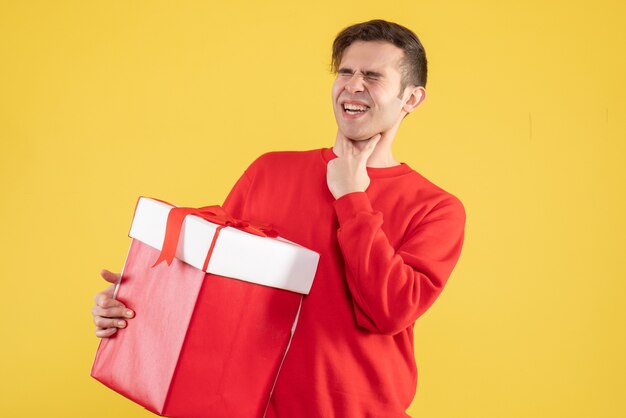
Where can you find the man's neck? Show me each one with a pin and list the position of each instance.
(381, 157)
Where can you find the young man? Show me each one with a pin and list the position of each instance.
(388, 238)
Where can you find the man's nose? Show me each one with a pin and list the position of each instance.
(355, 83)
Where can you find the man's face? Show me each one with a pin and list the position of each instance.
(365, 92)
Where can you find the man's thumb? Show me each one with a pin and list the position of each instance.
(371, 145)
(110, 276)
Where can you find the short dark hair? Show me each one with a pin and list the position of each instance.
(414, 65)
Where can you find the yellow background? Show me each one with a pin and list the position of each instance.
(101, 102)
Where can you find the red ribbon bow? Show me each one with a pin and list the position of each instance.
(215, 214)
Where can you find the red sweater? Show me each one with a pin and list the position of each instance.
(385, 256)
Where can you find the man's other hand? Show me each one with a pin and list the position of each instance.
(347, 173)
(108, 313)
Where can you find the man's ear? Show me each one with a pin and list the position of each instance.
(416, 96)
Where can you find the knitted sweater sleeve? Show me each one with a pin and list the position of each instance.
(235, 203)
(392, 288)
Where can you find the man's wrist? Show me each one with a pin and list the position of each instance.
(342, 192)
(348, 205)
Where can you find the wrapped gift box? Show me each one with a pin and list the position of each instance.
(210, 333)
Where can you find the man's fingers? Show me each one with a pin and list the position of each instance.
(345, 144)
(371, 143)
(374, 140)
(105, 300)
(104, 323)
(368, 150)
(109, 314)
(107, 292)
(106, 332)
(342, 145)
(115, 312)
(110, 276)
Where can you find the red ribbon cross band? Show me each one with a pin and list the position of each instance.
(215, 214)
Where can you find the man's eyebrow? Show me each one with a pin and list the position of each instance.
(369, 73)
(372, 74)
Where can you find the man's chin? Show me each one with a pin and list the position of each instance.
(358, 136)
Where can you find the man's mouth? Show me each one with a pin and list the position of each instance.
(354, 109)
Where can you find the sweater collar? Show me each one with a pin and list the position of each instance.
(374, 172)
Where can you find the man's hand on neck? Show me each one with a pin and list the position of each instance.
(347, 173)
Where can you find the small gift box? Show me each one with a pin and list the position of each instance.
(213, 324)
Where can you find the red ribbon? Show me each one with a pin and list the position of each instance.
(215, 214)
